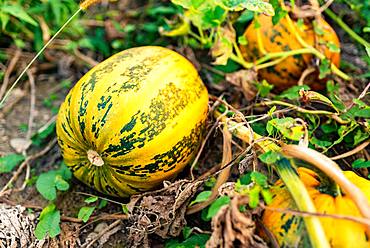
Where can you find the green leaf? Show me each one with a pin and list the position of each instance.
(64, 171)
(333, 47)
(242, 40)
(205, 14)
(252, 5)
(48, 222)
(245, 179)
(320, 143)
(48, 183)
(9, 162)
(61, 184)
(324, 68)
(267, 196)
(329, 127)
(183, 3)
(264, 88)
(216, 206)
(269, 157)
(332, 90)
(361, 163)
(246, 16)
(287, 127)
(186, 231)
(357, 111)
(259, 178)
(19, 12)
(102, 203)
(40, 137)
(271, 111)
(56, 7)
(85, 213)
(279, 11)
(254, 196)
(45, 185)
(125, 209)
(4, 18)
(293, 92)
(195, 240)
(201, 197)
(91, 199)
(360, 136)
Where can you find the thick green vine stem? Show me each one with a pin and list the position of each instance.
(303, 202)
(288, 175)
(345, 27)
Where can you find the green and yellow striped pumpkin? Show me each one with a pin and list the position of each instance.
(133, 120)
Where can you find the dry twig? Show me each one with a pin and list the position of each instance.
(352, 152)
(105, 230)
(9, 71)
(309, 214)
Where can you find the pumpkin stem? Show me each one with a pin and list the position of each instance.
(95, 158)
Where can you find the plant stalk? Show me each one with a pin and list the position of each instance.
(346, 28)
(36, 56)
(289, 177)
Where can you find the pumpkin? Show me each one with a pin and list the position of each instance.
(279, 38)
(341, 233)
(133, 120)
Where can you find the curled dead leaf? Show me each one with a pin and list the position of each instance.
(159, 212)
(244, 80)
(232, 228)
(223, 47)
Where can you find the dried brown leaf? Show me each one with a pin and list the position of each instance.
(232, 228)
(69, 236)
(223, 47)
(244, 80)
(159, 212)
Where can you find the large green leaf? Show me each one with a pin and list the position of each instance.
(48, 222)
(9, 162)
(17, 10)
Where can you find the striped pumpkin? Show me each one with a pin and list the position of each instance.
(279, 38)
(340, 233)
(133, 120)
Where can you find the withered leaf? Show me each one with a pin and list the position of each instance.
(223, 47)
(244, 79)
(232, 228)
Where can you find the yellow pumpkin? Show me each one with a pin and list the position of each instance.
(133, 120)
(279, 38)
(340, 233)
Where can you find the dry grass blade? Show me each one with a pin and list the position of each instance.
(224, 174)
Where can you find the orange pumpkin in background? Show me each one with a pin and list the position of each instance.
(340, 233)
(279, 38)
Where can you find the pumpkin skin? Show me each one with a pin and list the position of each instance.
(340, 233)
(133, 120)
(279, 38)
